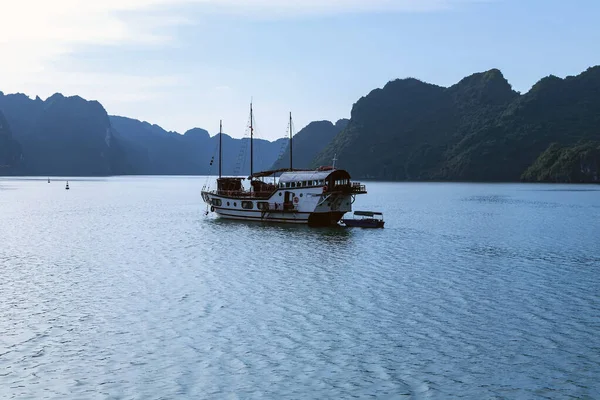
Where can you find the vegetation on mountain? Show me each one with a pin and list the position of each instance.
(566, 164)
(477, 130)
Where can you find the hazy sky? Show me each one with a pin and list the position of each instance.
(188, 63)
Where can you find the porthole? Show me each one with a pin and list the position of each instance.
(280, 193)
(227, 203)
(301, 194)
(234, 204)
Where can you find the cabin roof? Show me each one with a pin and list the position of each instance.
(303, 176)
(297, 176)
(271, 172)
(367, 213)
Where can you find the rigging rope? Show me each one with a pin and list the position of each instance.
(210, 168)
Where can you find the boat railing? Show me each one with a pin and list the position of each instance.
(354, 188)
(243, 194)
(358, 188)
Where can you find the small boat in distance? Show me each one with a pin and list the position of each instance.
(48, 179)
(67, 187)
(369, 219)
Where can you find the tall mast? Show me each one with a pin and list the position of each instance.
(220, 145)
(291, 145)
(251, 147)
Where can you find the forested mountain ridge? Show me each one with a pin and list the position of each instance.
(476, 130)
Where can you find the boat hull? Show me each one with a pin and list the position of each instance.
(310, 219)
(363, 223)
(309, 207)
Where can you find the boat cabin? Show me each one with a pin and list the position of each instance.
(333, 180)
(230, 185)
(368, 219)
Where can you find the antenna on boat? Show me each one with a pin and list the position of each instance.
(220, 146)
(334, 159)
(291, 145)
(251, 136)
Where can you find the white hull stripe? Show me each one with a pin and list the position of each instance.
(258, 219)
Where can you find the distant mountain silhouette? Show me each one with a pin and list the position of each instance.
(477, 130)
(72, 136)
(308, 142)
(63, 136)
(154, 151)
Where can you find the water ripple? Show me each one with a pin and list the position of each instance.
(121, 288)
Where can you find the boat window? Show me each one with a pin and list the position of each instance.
(234, 204)
(304, 183)
(248, 205)
(287, 184)
(262, 205)
(301, 195)
(216, 202)
(293, 184)
(280, 193)
(227, 203)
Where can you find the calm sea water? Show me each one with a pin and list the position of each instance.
(122, 288)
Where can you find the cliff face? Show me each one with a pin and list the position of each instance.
(64, 136)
